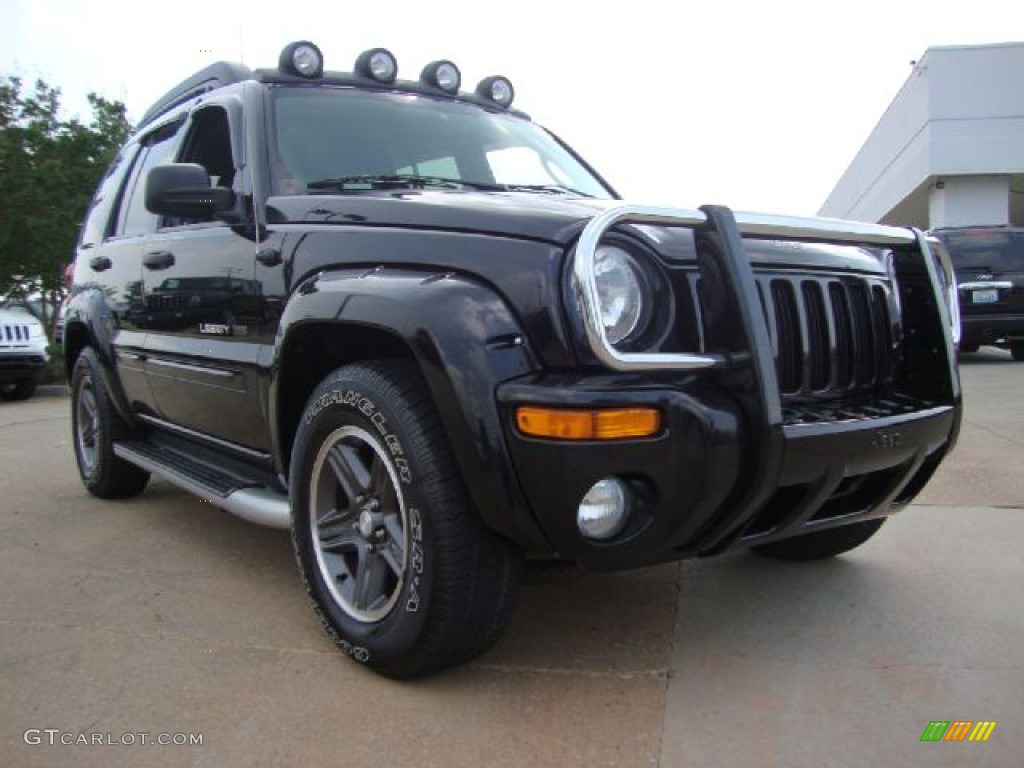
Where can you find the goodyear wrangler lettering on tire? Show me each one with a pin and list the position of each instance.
(415, 559)
(403, 574)
(365, 406)
(335, 397)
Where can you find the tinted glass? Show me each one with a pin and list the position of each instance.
(986, 249)
(335, 132)
(136, 219)
(97, 219)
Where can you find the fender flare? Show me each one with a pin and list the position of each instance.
(465, 340)
(88, 313)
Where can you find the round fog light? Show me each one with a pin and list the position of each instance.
(602, 512)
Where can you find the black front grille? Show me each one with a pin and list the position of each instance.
(831, 335)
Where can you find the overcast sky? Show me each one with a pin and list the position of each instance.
(757, 105)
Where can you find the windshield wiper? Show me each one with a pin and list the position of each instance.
(552, 189)
(384, 181)
(369, 181)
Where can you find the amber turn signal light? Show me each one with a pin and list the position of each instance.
(595, 424)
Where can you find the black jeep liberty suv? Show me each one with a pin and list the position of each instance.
(414, 327)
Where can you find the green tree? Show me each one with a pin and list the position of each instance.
(49, 167)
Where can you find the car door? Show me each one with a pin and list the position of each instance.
(108, 256)
(202, 303)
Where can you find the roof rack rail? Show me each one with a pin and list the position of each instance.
(214, 76)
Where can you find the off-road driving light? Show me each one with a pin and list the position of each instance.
(303, 59)
(442, 74)
(378, 64)
(497, 89)
(603, 511)
(595, 424)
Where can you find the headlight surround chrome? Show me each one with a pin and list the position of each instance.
(624, 293)
(947, 285)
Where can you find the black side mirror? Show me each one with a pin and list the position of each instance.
(183, 190)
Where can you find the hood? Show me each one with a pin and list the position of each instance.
(530, 216)
(17, 317)
(542, 217)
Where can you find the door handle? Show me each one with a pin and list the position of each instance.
(100, 263)
(158, 260)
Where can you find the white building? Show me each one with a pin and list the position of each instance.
(949, 150)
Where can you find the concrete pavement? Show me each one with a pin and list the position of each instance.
(162, 615)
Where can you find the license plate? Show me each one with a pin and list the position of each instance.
(988, 296)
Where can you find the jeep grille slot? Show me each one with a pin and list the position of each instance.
(14, 335)
(830, 336)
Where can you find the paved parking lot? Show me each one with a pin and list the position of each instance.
(163, 615)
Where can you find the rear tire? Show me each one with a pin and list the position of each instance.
(969, 349)
(403, 573)
(95, 425)
(1017, 350)
(821, 544)
(22, 389)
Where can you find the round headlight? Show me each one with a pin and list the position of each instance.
(303, 59)
(442, 74)
(622, 292)
(378, 64)
(498, 89)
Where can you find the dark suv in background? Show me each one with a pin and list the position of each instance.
(989, 265)
(412, 326)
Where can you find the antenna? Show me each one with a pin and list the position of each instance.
(241, 37)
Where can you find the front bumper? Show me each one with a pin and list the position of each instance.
(737, 464)
(15, 366)
(701, 486)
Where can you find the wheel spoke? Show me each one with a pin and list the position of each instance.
(391, 552)
(342, 536)
(370, 577)
(349, 469)
(380, 481)
(331, 516)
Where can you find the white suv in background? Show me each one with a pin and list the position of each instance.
(23, 354)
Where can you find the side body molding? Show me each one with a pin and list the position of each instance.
(466, 342)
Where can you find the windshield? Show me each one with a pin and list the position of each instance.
(989, 250)
(341, 134)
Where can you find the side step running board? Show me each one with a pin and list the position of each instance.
(250, 501)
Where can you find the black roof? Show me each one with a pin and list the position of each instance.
(214, 76)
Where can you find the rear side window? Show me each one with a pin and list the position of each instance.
(97, 220)
(133, 218)
(986, 250)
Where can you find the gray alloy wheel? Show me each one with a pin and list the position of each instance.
(95, 427)
(358, 513)
(87, 426)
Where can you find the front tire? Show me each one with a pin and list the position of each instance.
(22, 389)
(1017, 350)
(95, 425)
(821, 544)
(401, 570)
